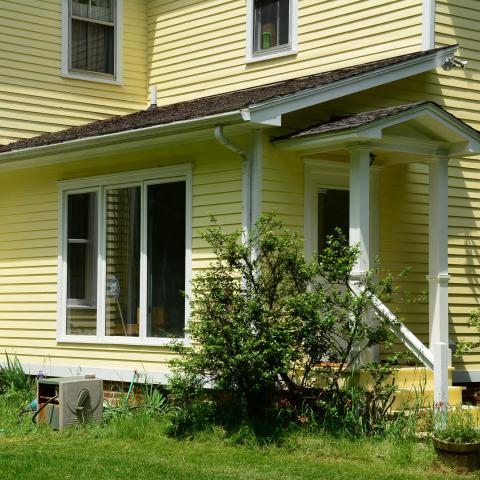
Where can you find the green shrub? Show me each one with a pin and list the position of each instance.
(270, 329)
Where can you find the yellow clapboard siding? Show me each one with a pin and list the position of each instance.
(30, 36)
(331, 35)
(28, 258)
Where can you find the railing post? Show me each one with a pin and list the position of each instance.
(441, 359)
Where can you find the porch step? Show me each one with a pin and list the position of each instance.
(409, 378)
(410, 399)
(415, 388)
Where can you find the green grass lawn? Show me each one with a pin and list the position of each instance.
(137, 447)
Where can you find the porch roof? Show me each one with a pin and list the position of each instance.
(262, 105)
(422, 128)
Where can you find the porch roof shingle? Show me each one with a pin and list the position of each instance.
(210, 105)
(364, 118)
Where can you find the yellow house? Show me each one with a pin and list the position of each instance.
(124, 124)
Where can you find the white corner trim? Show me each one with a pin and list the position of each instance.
(117, 79)
(282, 51)
(428, 25)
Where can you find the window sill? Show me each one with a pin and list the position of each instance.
(269, 56)
(127, 341)
(90, 78)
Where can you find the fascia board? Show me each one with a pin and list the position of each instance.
(373, 131)
(278, 106)
(326, 141)
(48, 154)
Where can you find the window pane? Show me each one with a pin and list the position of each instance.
(82, 256)
(333, 212)
(166, 259)
(271, 24)
(93, 47)
(101, 10)
(123, 262)
(80, 8)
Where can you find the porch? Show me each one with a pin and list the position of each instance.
(349, 154)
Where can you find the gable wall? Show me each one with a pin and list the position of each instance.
(34, 97)
(198, 48)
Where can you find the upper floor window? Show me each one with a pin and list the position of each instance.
(272, 26)
(91, 39)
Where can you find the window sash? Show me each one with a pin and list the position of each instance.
(258, 40)
(109, 51)
(182, 174)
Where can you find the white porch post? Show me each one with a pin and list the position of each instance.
(438, 278)
(359, 231)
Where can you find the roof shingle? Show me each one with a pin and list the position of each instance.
(207, 106)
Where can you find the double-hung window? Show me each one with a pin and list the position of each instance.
(125, 257)
(91, 39)
(272, 26)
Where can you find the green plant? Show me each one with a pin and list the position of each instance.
(13, 377)
(268, 326)
(461, 427)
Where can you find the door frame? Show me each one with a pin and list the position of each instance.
(331, 174)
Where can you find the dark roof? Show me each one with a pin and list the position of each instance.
(211, 105)
(352, 121)
(364, 118)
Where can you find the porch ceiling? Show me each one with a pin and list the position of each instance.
(404, 132)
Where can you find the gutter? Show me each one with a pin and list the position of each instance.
(23, 158)
(268, 112)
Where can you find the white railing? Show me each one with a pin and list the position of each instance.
(406, 336)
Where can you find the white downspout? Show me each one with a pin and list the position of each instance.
(247, 179)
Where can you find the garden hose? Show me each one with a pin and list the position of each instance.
(50, 400)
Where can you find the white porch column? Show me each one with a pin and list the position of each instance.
(359, 231)
(438, 277)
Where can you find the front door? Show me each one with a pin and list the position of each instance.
(333, 212)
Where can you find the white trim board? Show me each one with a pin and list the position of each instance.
(111, 374)
(271, 109)
(428, 24)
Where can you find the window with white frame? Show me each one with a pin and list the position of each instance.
(272, 27)
(91, 31)
(125, 256)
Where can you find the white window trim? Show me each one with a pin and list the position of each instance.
(117, 78)
(276, 52)
(99, 183)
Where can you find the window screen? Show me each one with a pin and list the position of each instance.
(92, 36)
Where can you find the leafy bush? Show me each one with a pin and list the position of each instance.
(270, 328)
(12, 376)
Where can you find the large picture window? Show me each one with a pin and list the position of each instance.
(91, 39)
(125, 256)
